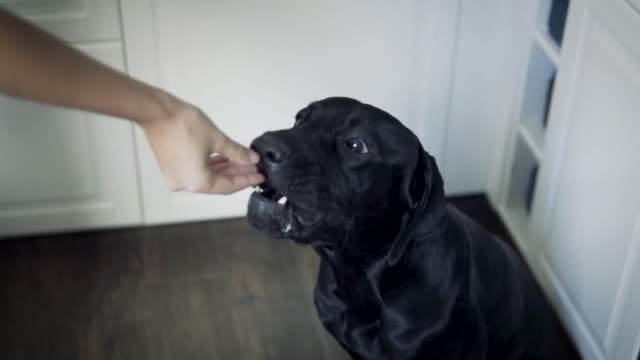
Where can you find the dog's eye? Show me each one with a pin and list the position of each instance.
(357, 145)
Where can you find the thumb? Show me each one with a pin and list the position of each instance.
(234, 151)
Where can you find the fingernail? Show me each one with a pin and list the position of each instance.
(254, 157)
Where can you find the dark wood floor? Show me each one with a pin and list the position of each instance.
(212, 290)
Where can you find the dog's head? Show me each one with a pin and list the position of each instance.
(344, 167)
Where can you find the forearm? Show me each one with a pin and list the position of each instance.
(34, 65)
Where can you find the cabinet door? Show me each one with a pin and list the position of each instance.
(66, 170)
(587, 217)
(71, 20)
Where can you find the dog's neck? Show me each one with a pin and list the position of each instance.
(360, 261)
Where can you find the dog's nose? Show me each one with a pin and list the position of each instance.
(272, 149)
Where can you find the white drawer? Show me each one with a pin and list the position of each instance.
(71, 20)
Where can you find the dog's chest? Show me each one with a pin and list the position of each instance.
(349, 307)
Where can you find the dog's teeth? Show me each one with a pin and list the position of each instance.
(287, 228)
(258, 189)
(283, 200)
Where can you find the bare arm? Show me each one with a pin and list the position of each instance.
(36, 66)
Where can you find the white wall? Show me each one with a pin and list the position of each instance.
(254, 63)
(473, 128)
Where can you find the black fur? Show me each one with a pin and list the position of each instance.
(403, 275)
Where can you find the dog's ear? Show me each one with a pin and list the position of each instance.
(422, 190)
(417, 180)
(304, 113)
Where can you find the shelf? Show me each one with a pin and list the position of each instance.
(534, 146)
(524, 171)
(548, 46)
(536, 100)
(517, 222)
(533, 115)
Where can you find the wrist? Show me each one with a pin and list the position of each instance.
(160, 106)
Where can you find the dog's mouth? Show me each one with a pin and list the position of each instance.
(266, 191)
(271, 211)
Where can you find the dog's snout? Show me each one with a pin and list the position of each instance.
(273, 150)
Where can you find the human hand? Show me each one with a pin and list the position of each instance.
(194, 155)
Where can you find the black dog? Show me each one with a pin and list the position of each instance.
(403, 275)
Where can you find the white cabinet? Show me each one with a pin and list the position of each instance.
(63, 169)
(588, 216)
(71, 20)
(577, 219)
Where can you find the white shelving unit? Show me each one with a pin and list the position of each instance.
(525, 154)
(567, 170)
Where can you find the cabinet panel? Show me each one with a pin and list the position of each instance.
(591, 225)
(46, 156)
(71, 20)
(64, 169)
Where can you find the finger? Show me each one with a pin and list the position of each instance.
(216, 167)
(234, 151)
(238, 170)
(230, 184)
(217, 158)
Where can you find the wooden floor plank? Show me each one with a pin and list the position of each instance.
(214, 290)
(210, 290)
